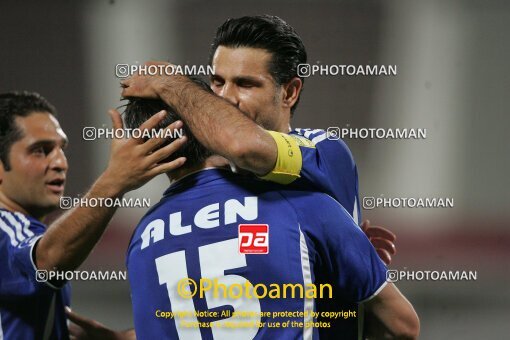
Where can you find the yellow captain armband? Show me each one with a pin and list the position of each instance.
(288, 162)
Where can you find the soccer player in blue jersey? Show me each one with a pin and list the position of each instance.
(194, 232)
(256, 61)
(33, 169)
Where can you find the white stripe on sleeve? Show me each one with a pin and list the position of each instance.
(26, 224)
(9, 231)
(355, 216)
(307, 279)
(1, 329)
(16, 224)
(319, 138)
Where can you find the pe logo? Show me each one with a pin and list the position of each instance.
(254, 238)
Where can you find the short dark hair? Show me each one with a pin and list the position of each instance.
(21, 104)
(270, 33)
(138, 110)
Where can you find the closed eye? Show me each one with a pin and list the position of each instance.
(246, 82)
(217, 81)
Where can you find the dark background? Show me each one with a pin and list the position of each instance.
(453, 80)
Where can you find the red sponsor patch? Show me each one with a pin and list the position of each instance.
(254, 238)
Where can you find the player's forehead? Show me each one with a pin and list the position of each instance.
(39, 126)
(230, 62)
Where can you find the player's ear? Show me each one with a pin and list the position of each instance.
(292, 90)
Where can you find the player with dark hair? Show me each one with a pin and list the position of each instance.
(24, 106)
(140, 110)
(193, 233)
(33, 173)
(256, 70)
(268, 33)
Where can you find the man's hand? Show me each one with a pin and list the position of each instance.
(382, 239)
(145, 86)
(83, 328)
(133, 161)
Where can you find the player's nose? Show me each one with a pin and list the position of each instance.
(229, 93)
(59, 161)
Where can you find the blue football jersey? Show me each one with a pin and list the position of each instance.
(29, 309)
(195, 232)
(328, 166)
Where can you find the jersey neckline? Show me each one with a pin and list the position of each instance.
(198, 177)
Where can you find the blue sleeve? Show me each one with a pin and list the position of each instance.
(328, 166)
(18, 239)
(18, 269)
(359, 270)
(23, 255)
(345, 254)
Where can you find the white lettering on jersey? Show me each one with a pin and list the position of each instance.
(154, 230)
(205, 218)
(208, 217)
(176, 227)
(248, 211)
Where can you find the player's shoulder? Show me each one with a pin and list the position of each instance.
(319, 137)
(18, 228)
(327, 210)
(323, 140)
(155, 212)
(315, 135)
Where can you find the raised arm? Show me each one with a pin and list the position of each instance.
(133, 162)
(217, 124)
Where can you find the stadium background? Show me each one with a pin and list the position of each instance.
(453, 80)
